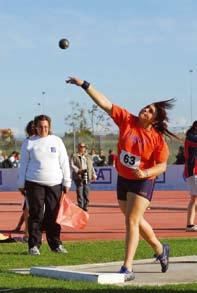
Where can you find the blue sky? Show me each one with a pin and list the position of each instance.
(135, 52)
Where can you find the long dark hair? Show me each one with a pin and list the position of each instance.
(161, 120)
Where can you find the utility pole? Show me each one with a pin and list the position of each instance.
(191, 97)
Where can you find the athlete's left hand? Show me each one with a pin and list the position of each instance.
(139, 174)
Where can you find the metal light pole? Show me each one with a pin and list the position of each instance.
(74, 137)
(191, 102)
(74, 140)
(94, 108)
(43, 102)
(39, 105)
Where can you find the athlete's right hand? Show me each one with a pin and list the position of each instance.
(74, 80)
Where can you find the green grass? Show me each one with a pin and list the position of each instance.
(15, 256)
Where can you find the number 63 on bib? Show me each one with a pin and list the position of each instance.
(129, 160)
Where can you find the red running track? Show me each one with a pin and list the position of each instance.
(167, 215)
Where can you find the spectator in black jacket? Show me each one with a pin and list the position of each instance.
(180, 159)
(102, 159)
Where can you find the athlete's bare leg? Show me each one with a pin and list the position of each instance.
(148, 234)
(135, 224)
(135, 208)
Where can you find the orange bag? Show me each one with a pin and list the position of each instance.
(71, 215)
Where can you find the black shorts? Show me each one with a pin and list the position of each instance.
(143, 187)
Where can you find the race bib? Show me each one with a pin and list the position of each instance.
(129, 160)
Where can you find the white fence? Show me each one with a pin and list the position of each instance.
(172, 179)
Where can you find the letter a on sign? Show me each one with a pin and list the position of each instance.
(100, 175)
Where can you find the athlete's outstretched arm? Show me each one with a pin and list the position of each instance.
(96, 96)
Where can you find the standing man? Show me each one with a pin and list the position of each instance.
(111, 158)
(83, 174)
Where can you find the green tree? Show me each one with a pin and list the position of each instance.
(77, 119)
(87, 124)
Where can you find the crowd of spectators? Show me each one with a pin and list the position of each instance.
(99, 159)
(11, 161)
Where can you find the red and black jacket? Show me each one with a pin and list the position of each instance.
(190, 153)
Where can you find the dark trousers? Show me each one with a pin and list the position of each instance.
(82, 190)
(43, 208)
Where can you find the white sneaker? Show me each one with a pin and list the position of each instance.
(60, 249)
(191, 229)
(34, 251)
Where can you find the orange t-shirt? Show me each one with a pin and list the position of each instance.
(137, 147)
